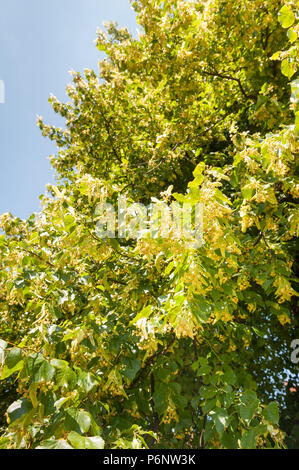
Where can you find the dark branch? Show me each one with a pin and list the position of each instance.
(228, 77)
(149, 362)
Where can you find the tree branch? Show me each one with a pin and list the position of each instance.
(152, 403)
(108, 129)
(201, 438)
(228, 77)
(144, 370)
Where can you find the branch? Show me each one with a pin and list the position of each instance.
(108, 129)
(149, 362)
(195, 349)
(32, 253)
(228, 77)
(155, 414)
(267, 35)
(262, 236)
(202, 133)
(201, 441)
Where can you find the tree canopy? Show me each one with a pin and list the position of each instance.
(150, 342)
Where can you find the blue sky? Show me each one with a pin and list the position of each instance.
(40, 41)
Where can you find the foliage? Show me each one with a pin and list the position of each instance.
(132, 343)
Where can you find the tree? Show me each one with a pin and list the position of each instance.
(119, 342)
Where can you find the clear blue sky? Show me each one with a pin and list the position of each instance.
(40, 41)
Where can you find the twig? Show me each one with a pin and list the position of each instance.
(201, 438)
(108, 129)
(155, 414)
(149, 362)
(228, 77)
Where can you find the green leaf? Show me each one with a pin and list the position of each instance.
(39, 369)
(219, 195)
(248, 397)
(248, 440)
(196, 182)
(85, 380)
(48, 400)
(229, 440)
(271, 412)
(258, 332)
(77, 420)
(180, 197)
(199, 169)
(145, 312)
(65, 376)
(201, 310)
(229, 376)
(247, 193)
(286, 16)
(209, 405)
(247, 412)
(84, 421)
(14, 357)
(208, 392)
(13, 363)
(54, 444)
(18, 409)
(4, 442)
(221, 420)
(203, 370)
(81, 442)
(292, 35)
(133, 365)
(288, 68)
(276, 55)
(59, 403)
(160, 398)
